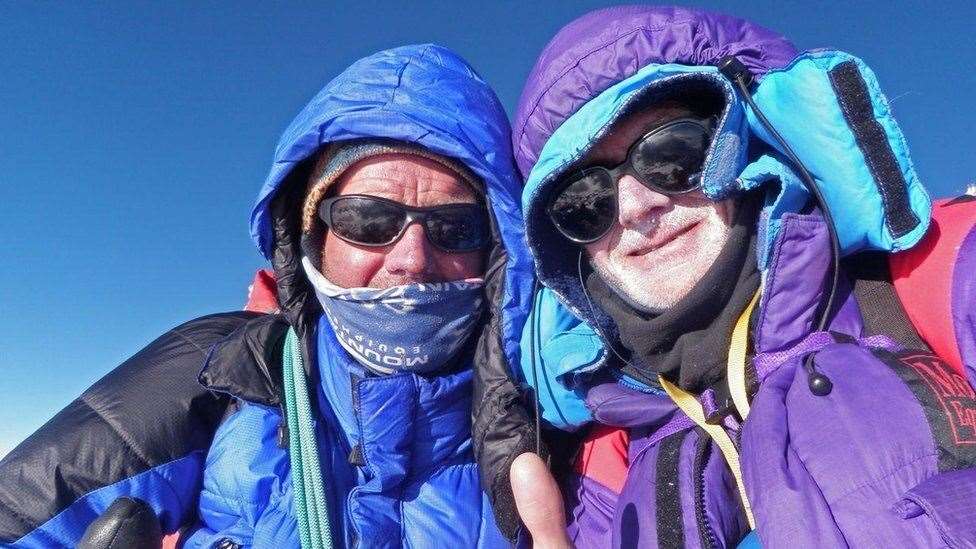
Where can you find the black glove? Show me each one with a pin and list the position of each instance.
(127, 523)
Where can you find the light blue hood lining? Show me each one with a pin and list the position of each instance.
(806, 109)
(556, 258)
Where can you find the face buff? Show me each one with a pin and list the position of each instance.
(412, 328)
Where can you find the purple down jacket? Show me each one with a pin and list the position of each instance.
(885, 460)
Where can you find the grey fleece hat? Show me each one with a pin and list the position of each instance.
(338, 157)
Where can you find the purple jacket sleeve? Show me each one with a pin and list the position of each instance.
(964, 302)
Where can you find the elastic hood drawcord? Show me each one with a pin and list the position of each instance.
(736, 71)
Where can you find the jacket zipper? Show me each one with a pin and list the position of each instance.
(702, 451)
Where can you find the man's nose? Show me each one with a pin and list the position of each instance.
(636, 203)
(411, 254)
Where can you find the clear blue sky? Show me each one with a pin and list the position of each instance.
(134, 136)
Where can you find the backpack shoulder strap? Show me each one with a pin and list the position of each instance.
(881, 309)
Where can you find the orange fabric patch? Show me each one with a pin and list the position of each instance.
(923, 278)
(262, 295)
(604, 456)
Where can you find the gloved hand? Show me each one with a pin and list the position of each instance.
(127, 523)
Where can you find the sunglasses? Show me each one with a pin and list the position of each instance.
(668, 159)
(373, 221)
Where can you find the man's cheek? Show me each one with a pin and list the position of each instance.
(598, 257)
(458, 266)
(347, 265)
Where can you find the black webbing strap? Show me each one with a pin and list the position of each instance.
(855, 103)
(881, 309)
(670, 526)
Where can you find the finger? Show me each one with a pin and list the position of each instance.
(539, 502)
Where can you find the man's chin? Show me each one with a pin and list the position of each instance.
(659, 267)
(644, 290)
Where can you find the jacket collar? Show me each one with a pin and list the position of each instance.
(794, 287)
(397, 420)
(247, 363)
(400, 422)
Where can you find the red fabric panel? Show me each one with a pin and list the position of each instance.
(923, 278)
(604, 456)
(262, 295)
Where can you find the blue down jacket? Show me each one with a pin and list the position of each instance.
(410, 481)
(396, 451)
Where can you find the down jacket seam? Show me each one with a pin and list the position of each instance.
(895, 470)
(186, 338)
(238, 504)
(792, 449)
(400, 71)
(129, 445)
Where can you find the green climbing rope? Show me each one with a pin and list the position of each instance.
(310, 504)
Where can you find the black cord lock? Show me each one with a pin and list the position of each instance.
(734, 70)
(818, 383)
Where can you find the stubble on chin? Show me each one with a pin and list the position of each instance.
(655, 288)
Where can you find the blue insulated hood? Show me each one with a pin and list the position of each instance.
(427, 95)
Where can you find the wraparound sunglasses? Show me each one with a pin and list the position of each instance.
(373, 221)
(668, 159)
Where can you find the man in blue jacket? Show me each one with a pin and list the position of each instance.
(345, 419)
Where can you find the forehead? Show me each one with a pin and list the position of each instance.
(398, 175)
(612, 147)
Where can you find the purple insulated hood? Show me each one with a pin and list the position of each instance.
(607, 46)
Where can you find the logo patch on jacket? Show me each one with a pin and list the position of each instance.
(949, 402)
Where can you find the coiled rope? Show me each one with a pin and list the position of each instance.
(306, 474)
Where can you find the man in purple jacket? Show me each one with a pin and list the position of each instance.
(711, 216)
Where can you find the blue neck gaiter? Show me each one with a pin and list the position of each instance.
(415, 328)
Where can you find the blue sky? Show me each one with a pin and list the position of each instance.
(134, 136)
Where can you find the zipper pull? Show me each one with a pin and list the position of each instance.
(356, 456)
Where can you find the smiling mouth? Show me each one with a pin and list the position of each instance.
(673, 237)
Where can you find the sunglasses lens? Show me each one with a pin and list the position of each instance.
(585, 209)
(458, 229)
(671, 160)
(365, 221)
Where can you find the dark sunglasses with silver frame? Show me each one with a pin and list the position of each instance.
(374, 221)
(667, 159)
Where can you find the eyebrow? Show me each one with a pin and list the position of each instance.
(598, 154)
(662, 117)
